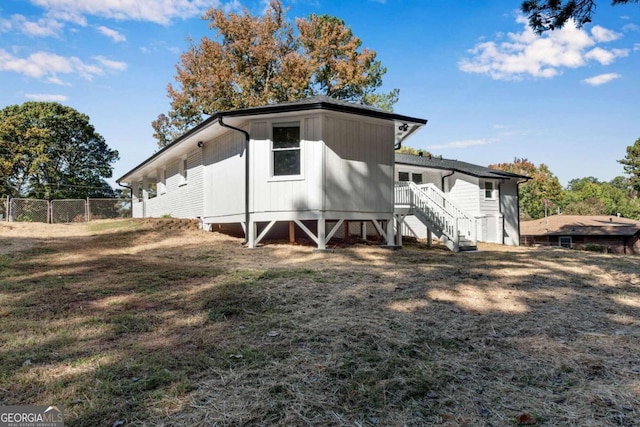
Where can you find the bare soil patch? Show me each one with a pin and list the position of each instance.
(155, 323)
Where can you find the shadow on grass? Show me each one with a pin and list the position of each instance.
(189, 336)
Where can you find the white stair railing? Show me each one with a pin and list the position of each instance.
(432, 206)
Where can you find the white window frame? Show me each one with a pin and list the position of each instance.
(162, 182)
(404, 180)
(184, 168)
(485, 189)
(272, 150)
(413, 178)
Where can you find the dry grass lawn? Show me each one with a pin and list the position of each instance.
(151, 323)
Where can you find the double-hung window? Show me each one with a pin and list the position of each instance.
(286, 149)
(488, 190)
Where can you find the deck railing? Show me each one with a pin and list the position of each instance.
(430, 204)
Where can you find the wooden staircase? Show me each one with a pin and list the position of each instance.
(450, 224)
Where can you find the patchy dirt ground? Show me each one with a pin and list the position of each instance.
(155, 323)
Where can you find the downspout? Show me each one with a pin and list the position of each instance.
(130, 193)
(247, 138)
(500, 182)
(518, 203)
(442, 180)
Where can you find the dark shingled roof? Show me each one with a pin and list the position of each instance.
(455, 165)
(324, 103)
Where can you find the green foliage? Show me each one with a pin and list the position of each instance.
(631, 164)
(405, 149)
(52, 151)
(548, 15)
(539, 196)
(588, 196)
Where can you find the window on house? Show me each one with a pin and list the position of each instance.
(488, 190)
(139, 193)
(403, 176)
(417, 178)
(183, 170)
(152, 190)
(286, 149)
(162, 186)
(565, 242)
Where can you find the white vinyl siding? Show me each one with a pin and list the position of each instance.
(179, 200)
(292, 194)
(359, 165)
(224, 176)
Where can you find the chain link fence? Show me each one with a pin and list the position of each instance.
(4, 209)
(29, 210)
(63, 211)
(108, 208)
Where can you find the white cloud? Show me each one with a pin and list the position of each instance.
(158, 11)
(113, 34)
(113, 65)
(636, 47)
(527, 54)
(630, 27)
(601, 79)
(606, 57)
(48, 66)
(43, 27)
(46, 97)
(462, 143)
(601, 34)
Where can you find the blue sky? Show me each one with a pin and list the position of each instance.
(490, 88)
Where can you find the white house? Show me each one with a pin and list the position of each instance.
(314, 163)
(487, 195)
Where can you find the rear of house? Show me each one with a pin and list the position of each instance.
(312, 164)
(490, 196)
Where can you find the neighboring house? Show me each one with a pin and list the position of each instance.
(315, 164)
(487, 195)
(618, 235)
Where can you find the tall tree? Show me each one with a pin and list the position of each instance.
(52, 151)
(631, 164)
(258, 60)
(545, 15)
(589, 196)
(539, 196)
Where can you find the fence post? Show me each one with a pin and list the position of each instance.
(49, 212)
(87, 211)
(8, 208)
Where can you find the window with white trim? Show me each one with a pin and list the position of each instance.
(488, 190)
(162, 182)
(403, 176)
(285, 149)
(417, 178)
(183, 171)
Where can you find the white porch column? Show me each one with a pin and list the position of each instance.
(390, 233)
(322, 233)
(251, 236)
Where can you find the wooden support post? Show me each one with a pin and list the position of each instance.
(363, 230)
(346, 232)
(292, 232)
(429, 238)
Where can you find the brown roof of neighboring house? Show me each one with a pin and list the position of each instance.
(578, 225)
